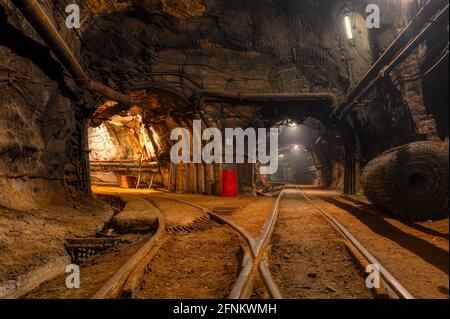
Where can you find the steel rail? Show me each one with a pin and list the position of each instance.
(253, 260)
(248, 238)
(262, 246)
(126, 277)
(242, 286)
(393, 283)
(268, 280)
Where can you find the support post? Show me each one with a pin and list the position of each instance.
(350, 171)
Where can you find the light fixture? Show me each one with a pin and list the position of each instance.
(348, 27)
(292, 124)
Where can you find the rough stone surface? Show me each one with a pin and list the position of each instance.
(42, 139)
(32, 242)
(137, 216)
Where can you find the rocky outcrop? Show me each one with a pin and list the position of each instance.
(137, 216)
(42, 138)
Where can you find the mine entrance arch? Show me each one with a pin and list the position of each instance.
(130, 145)
(319, 107)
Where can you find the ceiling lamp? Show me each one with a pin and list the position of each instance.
(348, 27)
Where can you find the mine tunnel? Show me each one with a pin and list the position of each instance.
(218, 149)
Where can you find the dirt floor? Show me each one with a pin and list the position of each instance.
(254, 216)
(249, 212)
(423, 244)
(175, 214)
(309, 258)
(32, 242)
(189, 254)
(204, 264)
(94, 273)
(199, 265)
(416, 253)
(197, 258)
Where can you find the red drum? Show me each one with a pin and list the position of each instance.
(229, 183)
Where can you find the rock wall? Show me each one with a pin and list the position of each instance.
(41, 125)
(405, 107)
(265, 46)
(111, 142)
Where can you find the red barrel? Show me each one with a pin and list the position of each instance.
(229, 183)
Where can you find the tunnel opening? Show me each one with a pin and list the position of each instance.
(122, 152)
(296, 166)
(297, 162)
(317, 146)
(129, 146)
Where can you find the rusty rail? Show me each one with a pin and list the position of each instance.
(255, 256)
(126, 278)
(392, 283)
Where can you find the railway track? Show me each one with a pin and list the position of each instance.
(393, 287)
(255, 262)
(126, 279)
(254, 256)
(124, 283)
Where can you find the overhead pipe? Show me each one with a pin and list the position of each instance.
(125, 164)
(132, 161)
(440, 17)
(413, 44)
(423, 17)
(43, 25)
(97, 119)
(264, 98)
(40, 21)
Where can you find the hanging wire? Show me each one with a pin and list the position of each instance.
(430, 68)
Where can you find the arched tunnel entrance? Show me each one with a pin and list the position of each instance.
(297, 166)
(130, 146)
(302, 159)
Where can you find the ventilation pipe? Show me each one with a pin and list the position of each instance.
(216, 97)
(40, 21)
(400, 48)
